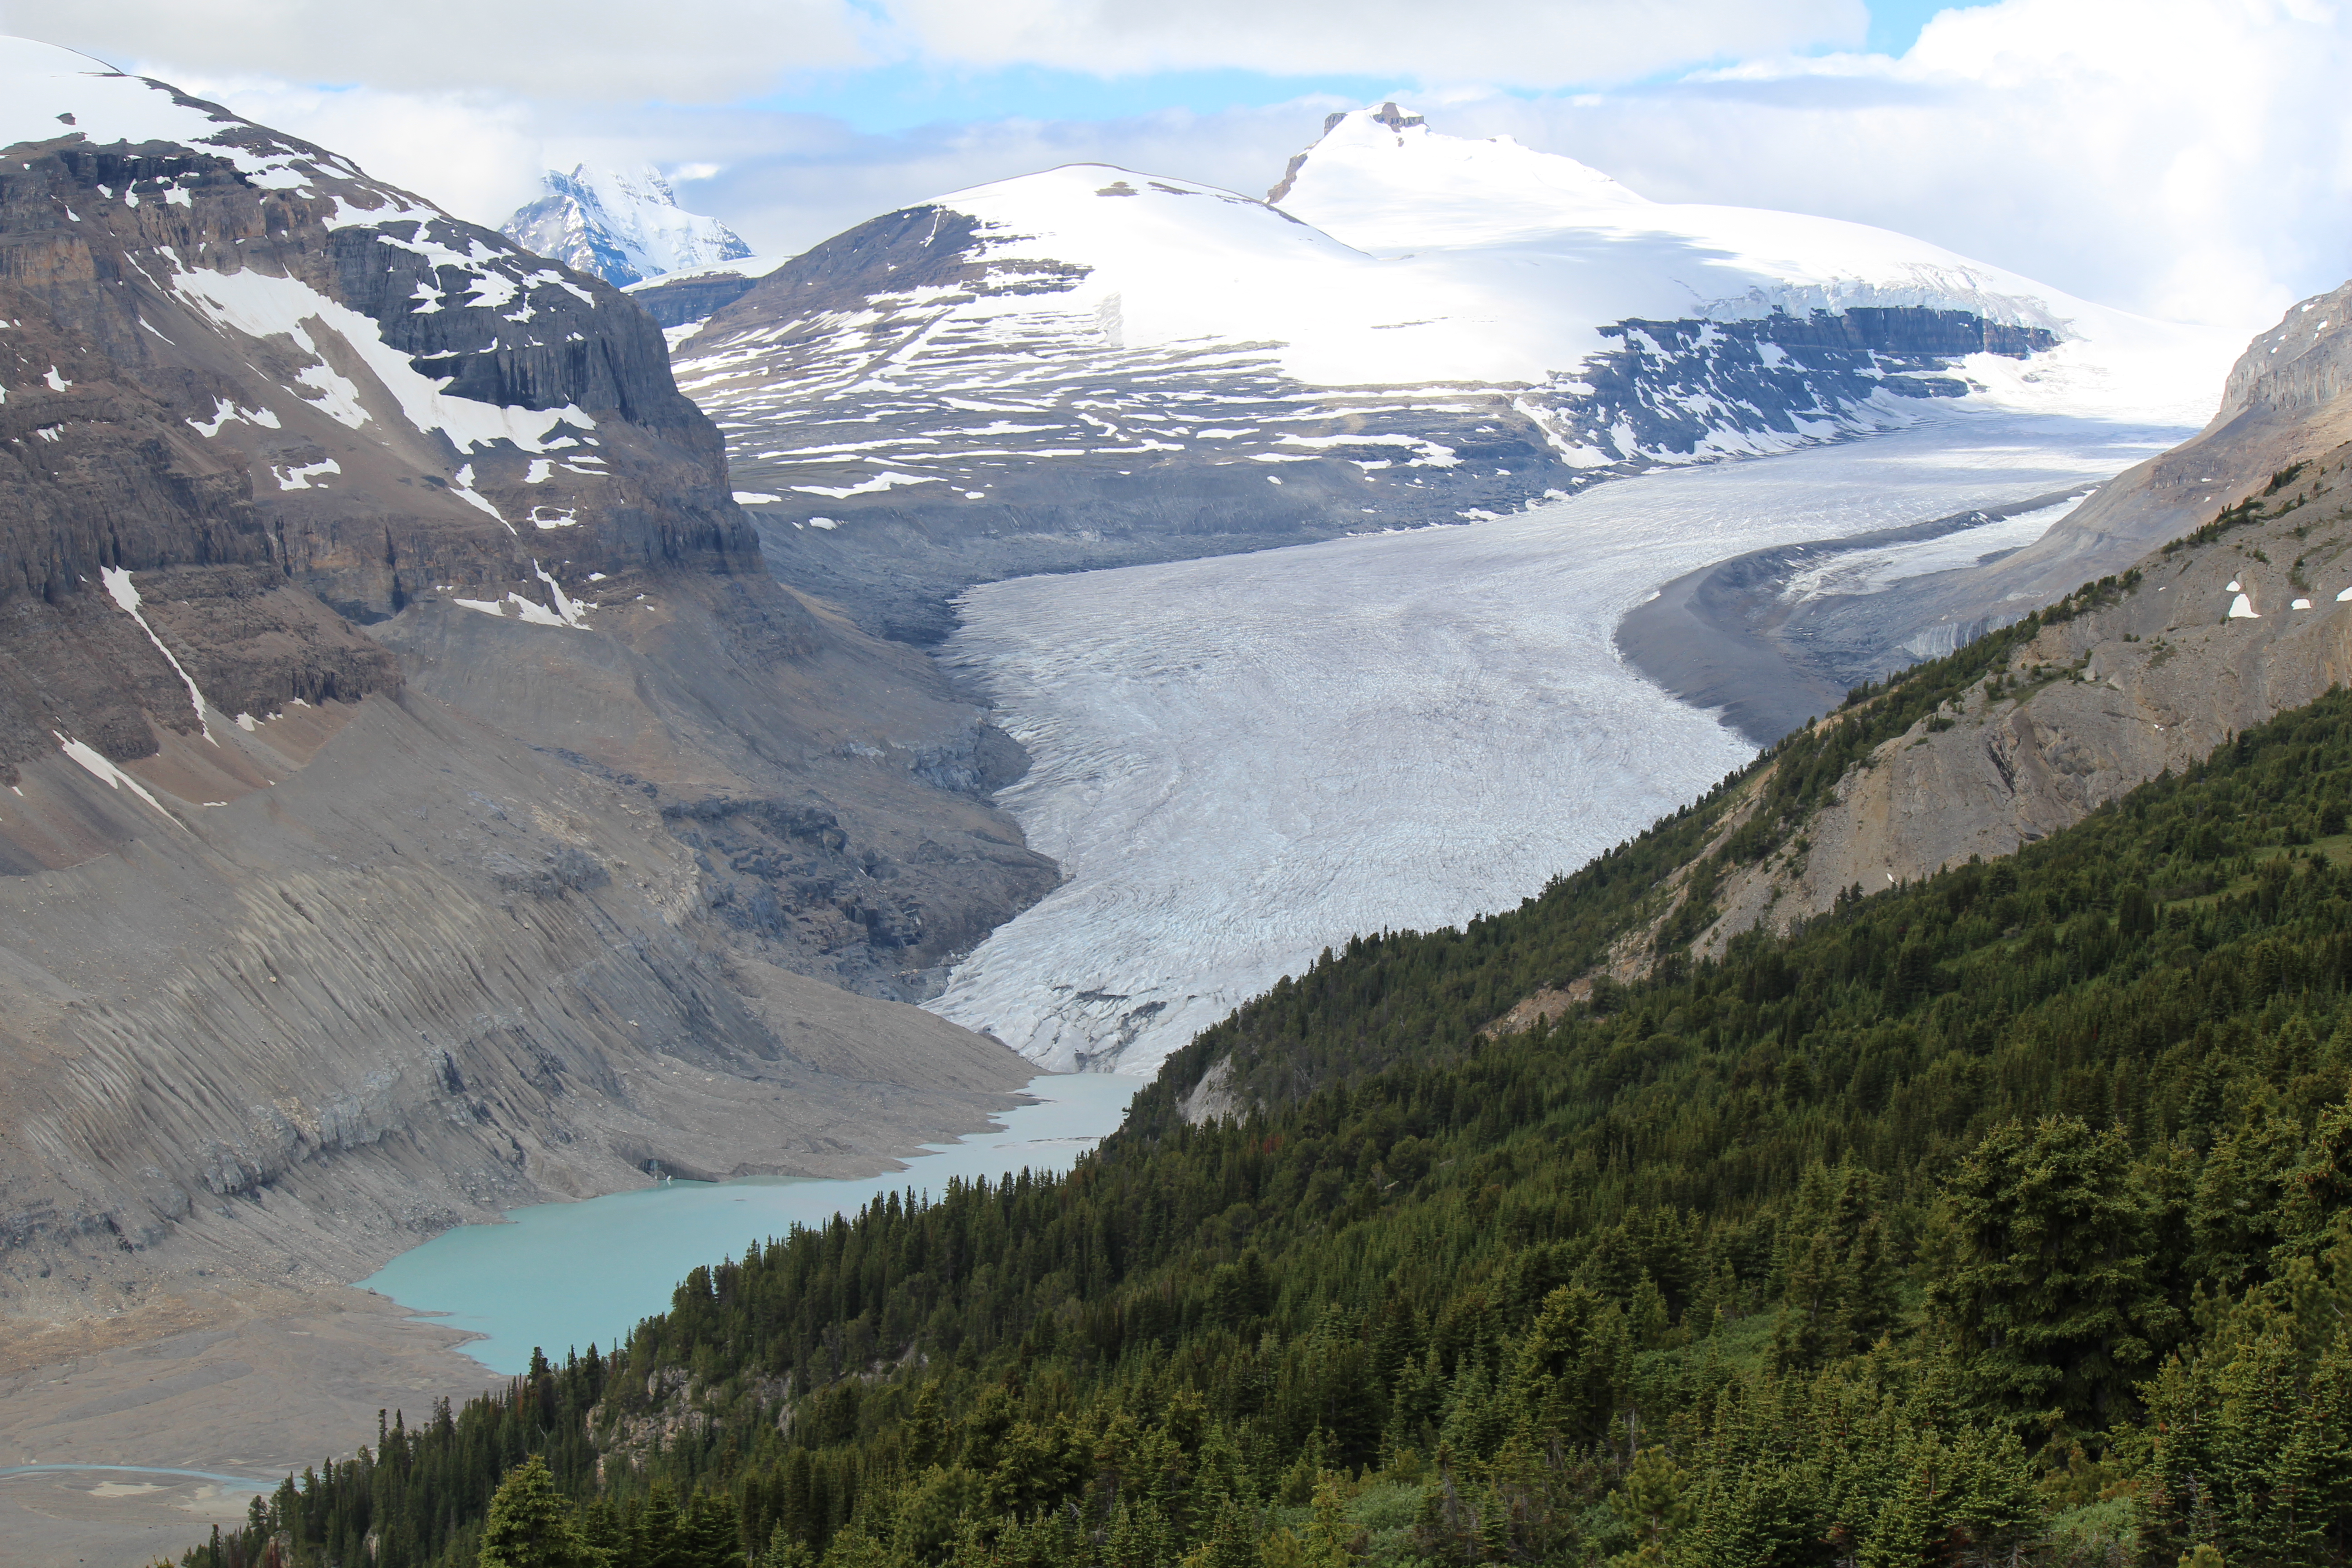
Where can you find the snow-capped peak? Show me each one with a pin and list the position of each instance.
(1384, 172)
(1382, 181)
(49, 94)
(624, 226)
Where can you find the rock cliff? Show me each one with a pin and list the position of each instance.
(2244, 609)
(416, 796)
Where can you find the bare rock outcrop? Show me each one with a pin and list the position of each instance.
(2222, 627)
(417, 797)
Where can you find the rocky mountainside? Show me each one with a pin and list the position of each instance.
(2242, 609)
(415, 794)
(682, 300)
(1090, 366)
(623, 225)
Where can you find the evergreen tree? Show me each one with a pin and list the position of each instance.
(2051, 1305)
(531, 1526)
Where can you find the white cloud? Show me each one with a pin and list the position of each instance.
(478, 156)
(686, 51)
(2186, 158)
(811, 181)
(1545, 43)
(722, 51)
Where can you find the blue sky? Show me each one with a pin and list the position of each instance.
(1894, 24)
(2184, 158)
(898, 97)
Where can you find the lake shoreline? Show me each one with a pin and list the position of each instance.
(222, 1378)
(249, 1377)
(515, 1286)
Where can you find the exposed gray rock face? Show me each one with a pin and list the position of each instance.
(421, 972)
(2299, 366)
(397, 720)
(1739, 638)
(2283, 402)
(2205, 640)
(683, 301)
(834, 833)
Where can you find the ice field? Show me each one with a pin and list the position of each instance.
(1240, 761)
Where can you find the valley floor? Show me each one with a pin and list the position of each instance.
(1238, 761)
(254, 1384)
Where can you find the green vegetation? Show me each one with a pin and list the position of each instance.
(2253, 508)
(2002, 1217)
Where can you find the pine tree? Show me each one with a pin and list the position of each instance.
(709, 1535)
(529, 1526)
(2051, 1304)
(1653, 1501)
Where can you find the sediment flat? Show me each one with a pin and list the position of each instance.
(235, 1382)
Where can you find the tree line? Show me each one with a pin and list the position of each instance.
(2002, 1217)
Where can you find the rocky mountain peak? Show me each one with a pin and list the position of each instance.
(624, 226)
(395, 710)
(1382, 179)
(2302, 363)
(1396, 120)
(233, 357)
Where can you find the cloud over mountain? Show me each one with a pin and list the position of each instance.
(2161, 156)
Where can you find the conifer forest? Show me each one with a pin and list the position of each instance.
(2004, 1217)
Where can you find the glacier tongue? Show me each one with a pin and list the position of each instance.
(1240, 761)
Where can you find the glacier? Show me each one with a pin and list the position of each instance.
(1242, 760)
(1096, 367)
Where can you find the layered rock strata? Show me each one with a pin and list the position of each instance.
(416, 796)
(2249, 614)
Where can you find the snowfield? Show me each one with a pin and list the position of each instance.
(1418, 326)
(1242, 760)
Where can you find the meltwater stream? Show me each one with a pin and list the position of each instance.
(566, 1275)
(1238, 761)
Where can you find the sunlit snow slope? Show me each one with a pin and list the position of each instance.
(1571, 248)
(1090, 366)
(1240, 761)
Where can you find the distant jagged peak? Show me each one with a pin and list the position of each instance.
(1397, 119)
(1388, 114)
(623, 224)
(1381, 167)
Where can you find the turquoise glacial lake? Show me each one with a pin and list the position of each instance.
(562, 1275)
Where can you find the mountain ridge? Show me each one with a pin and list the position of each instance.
(419, 797)
(2175, 663)
(1014, 378)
